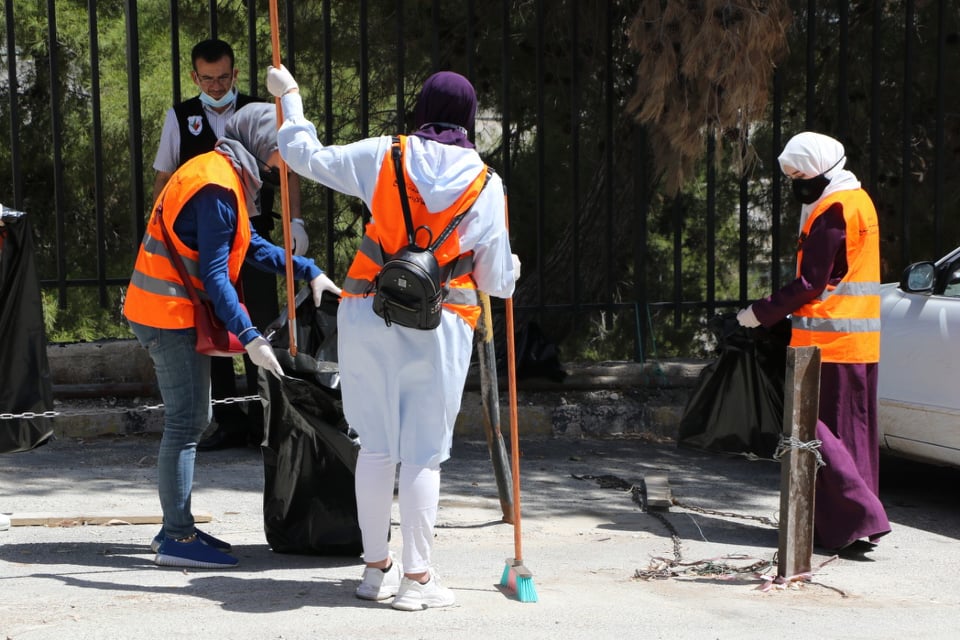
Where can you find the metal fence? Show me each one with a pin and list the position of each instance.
(599, 237)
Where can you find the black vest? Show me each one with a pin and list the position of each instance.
(193, 145)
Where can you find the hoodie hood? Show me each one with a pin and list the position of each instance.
(442, 172)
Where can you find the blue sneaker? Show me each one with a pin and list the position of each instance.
(195, 553)
(216, 543)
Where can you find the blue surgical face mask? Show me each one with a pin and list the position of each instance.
(227, 98)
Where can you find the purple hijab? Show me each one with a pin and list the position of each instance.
(446, 109)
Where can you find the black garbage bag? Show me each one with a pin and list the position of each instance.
(537, 355)
(737, 404)
(25, 385)
(309, 451)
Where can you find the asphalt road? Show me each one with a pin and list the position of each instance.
(585, 542)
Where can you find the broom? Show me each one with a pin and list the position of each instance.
(516, 577)
(284, 189)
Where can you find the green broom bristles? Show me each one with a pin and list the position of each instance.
(519, 580)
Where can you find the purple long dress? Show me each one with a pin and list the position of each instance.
(847, 504)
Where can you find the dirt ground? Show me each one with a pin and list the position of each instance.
(584, 541)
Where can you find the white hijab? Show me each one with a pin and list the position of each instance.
(810, 154)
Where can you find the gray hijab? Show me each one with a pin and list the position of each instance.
(248, 141)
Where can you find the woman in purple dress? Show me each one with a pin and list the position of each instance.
(834, 304)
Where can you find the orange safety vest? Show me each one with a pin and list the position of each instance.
(156, 296)
(844, 320)
(386, 234)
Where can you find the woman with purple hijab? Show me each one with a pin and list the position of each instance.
(834, 304)
(402, 386)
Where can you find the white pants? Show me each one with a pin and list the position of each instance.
(419, 497)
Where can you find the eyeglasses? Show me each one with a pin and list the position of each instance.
(221, 80)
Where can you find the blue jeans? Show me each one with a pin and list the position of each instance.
(184, 379)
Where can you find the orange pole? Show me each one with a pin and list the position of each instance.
(514, 419)
(284, 191)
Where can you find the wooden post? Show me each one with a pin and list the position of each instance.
(798, 469)
(490, 396)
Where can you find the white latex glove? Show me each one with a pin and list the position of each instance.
(747, 318)
(298, 233)
(261, 353)
(279, 81)
(516, 266)
(320, 284)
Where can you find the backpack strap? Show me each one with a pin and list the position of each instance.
(449, 267)
(457, 218)
(402, 186)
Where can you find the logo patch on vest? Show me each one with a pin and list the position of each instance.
(195, 124)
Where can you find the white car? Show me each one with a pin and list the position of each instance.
(919, 343)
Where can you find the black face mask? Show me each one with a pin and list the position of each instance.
(809, 190)
(270, 177)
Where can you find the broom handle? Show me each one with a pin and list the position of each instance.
(284, 191)
(514, 433)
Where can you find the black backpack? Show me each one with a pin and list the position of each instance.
(408, 287)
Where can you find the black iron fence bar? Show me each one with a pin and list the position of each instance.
(137, 198)
(14, 108)
(775, 181)
(288, 32)
(875, 102)
(435, 39)
(212, 10)
(328, 118)
(575, 124)
(811, 65)
(252, 56)
(174, 50)
(677, 218)
(471, 56)
(401, 44)
(939, 156)
(97, 151)
(711, 216)
(51, 283)
(843, 89)
(56, 125)
(611, 232)
(364, 73)
(640, 189)
(668, 305)
(541, 146)
(505, 91)
(905, 193)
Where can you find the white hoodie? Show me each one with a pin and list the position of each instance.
(393, 377)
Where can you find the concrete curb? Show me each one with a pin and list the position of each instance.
(108, 388)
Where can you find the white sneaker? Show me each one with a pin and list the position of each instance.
(414, 596)
(4, 522)
(378, 584)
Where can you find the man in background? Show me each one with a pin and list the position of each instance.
(192, 127)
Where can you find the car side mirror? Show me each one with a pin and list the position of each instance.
(919, 277)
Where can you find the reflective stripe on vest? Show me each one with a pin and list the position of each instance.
(156, 295)
(387, 237)
(844, 320)
(851, 289)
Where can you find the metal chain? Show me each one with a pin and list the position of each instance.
(726, 514)
(660, 567)
(813, 446)
(101, 411)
